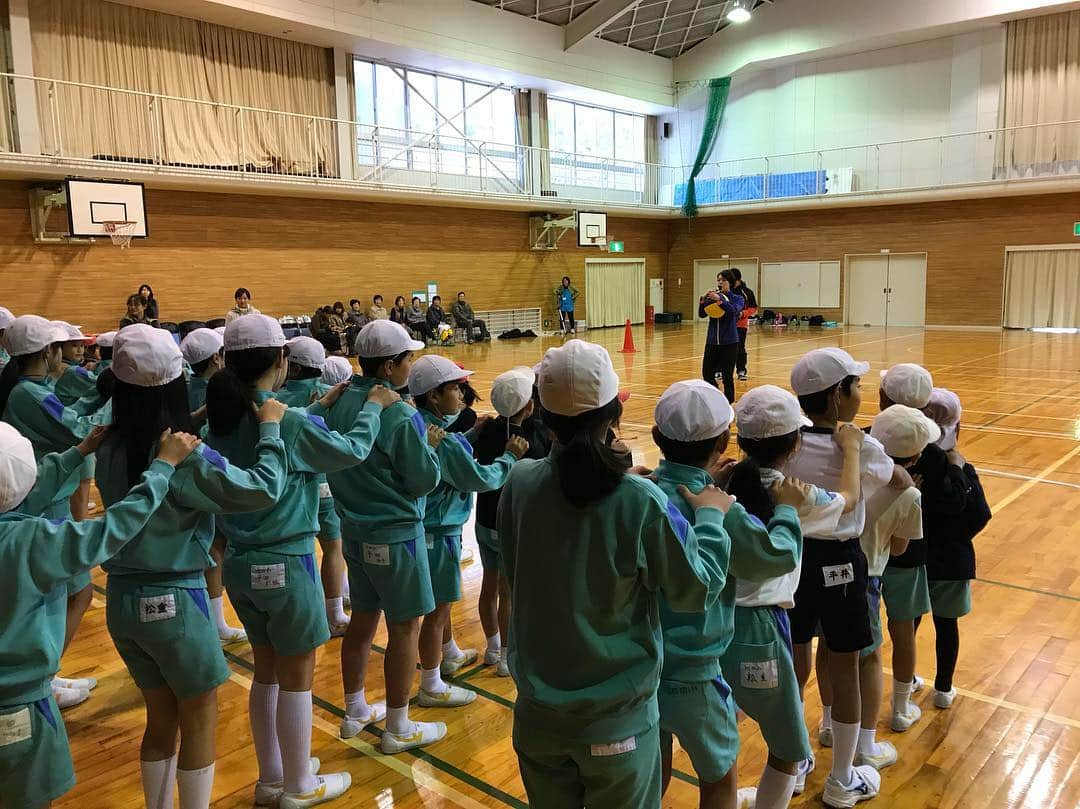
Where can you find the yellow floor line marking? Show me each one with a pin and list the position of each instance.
(1038, 477)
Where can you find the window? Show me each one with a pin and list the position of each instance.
(595, 147)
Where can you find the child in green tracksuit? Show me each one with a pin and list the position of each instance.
(38, 556)
(436, 386)
(381, 503)
(74, 381)
(588, 551)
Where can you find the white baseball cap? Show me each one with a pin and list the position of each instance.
(201, 345)
(18, 469)
(432, 370)
(145, 356)
(253, 331)
(692, 410)
(6, 318)
(904, 431)
(308, 352)
(577, 377)
(74, 333)
(907, 384)
(30, 334)
(105, 339)
(768, 411)
(822, 368)
(384, 338)
(945, 410)
(336, 370)
(512, 391)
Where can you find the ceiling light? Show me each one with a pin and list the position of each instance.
(739, 11)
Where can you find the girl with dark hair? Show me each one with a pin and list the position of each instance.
(397, 314)
(150, 304)
(722, 307)
(136, 312)
(608, 543)
(466, 417)
(565, 296)
(157, 608)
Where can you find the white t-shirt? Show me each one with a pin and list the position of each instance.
(889, 514)
(820, 461)
(820, 514)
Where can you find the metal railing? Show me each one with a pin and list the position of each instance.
(161, 133)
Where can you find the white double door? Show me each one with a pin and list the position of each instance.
(706, 270)
(886, 289)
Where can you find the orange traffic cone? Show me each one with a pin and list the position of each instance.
(628, 340)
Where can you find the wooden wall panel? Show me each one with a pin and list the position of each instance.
(294, 254)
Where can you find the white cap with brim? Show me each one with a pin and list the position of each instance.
(146, 357)
(768, 411)
(692, 410)
(18, 469)
(6, 318)
(904, 431)
(30, 334)
(337, 370)
(253, 331)
(307, 352)
(74, 333)
(105, 339)
(576, 378)
(433, 370)
(822, 368)
(907, 384)
(511, 392)
(944, 408)
(200, 345)
(385, 338)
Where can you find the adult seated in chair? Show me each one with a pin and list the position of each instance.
(416, 321)
(465, 318)
(136, 312)
(438, 321)
(329, 329)
(351, 327)
(377, 311)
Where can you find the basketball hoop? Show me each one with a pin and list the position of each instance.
(121, 232)
(598, 241)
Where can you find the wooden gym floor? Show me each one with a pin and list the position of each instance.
(1012, 739)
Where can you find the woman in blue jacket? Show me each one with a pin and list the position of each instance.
(722, 342)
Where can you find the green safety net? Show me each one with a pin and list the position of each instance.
(714, 114)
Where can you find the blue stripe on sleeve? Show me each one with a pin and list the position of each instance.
(319, 422)
(54, 407)
(419, 423)
(678, 522)
(214, 457)
(461, 439)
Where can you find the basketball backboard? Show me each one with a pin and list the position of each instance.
(93, 204)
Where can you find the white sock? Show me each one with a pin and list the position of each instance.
(826, 716)
(845, 739)
(901, 692)
(494, 643)
(196, 787)
(450, 650)
(867, 745)
(262, 713)
(397, 720)
(158, 782)
(774, 789)
(335, 610)
(218, 605)
(294, 739)
(356, 705)
(431, 681)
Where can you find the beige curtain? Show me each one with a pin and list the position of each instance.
(1041, 85)
(545, 142)
(522, 104)
(652, 159)
(120, 46)
(614, 292)
(7, 90)
(1042, 289)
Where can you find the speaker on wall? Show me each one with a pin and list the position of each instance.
(667, 129)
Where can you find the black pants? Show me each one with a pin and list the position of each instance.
(947, 647)
(422, 328)
(566, 319)
(740, 363)
(720, 361)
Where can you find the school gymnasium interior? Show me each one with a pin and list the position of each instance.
(899, 179)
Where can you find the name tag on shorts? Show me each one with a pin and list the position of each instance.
(377, 554)
(324, 491)
(759, 674)
(268, 577)
(838, 574)
(157, 608)
(615, 748)
(15, 727)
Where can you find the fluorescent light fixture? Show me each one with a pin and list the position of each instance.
(1052, 330)
(739, 11)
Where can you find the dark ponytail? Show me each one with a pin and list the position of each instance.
(588, 469)
(745, 481)
(230, 394)
(141, 414)
(8, 379)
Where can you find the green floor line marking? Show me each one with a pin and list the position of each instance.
(1050, 593)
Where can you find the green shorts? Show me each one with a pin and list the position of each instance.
(392, 577)
(490, 550)
(165, 636)
(758, 664)
(329, 521)
(702, 717)
(278, 598)
(873, 604)
(905, 593)
(558, 772)
(78, 583)
(35, 759)
(444, 562)
(950, 599)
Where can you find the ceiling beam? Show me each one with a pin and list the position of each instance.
(589, 22)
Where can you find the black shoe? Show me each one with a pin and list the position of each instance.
(742, 376)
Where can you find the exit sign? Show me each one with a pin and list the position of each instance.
(1076, 229)
(618, 247)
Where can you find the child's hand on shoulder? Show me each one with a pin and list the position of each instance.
(272, 411)
(849, 437)
(709, 497)
(517, 446)
(89, 445)
(435, 436)
(174, 448)
(791, 492)
(380, 394)
(721, 469)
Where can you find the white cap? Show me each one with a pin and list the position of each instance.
(74, 333)
(822, 368)
(18, 469)
(577, 377)
(29, 334)
(201, 345)
(253, 331)
(384, 338)
(337, 370)
(307, 351)
(944, 408)
(692, 410)
(512, 391)
(904, 431)
(145, 356)
(907, 384)
(105, 339)
(6, 318)
(768, 412)
(432, 370)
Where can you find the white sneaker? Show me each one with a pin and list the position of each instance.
(352, 725)
(422, 733)
(824, 736)
(453, 697)
(452, 665)
(231, 634)
(338, 629)
(902, 721)
(944, 699)
(78, 683)
(746, 798)
(805, 768)
(503, 669)
(70, 697)
(864, 785)
(492, 657)
(270, 794)
(884, 756)
(917, 684)
(329, 787)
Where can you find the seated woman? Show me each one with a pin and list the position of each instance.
(397, 314)
(149, 303)
(243, 306)
(136, 312)
(329, 329)
(416, 321)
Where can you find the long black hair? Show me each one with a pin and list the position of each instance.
(587, 468)
(140, 414)
(106, 383)
(745, 481)
(13, 372)
(230, 394)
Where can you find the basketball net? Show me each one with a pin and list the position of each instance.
(121, 232)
